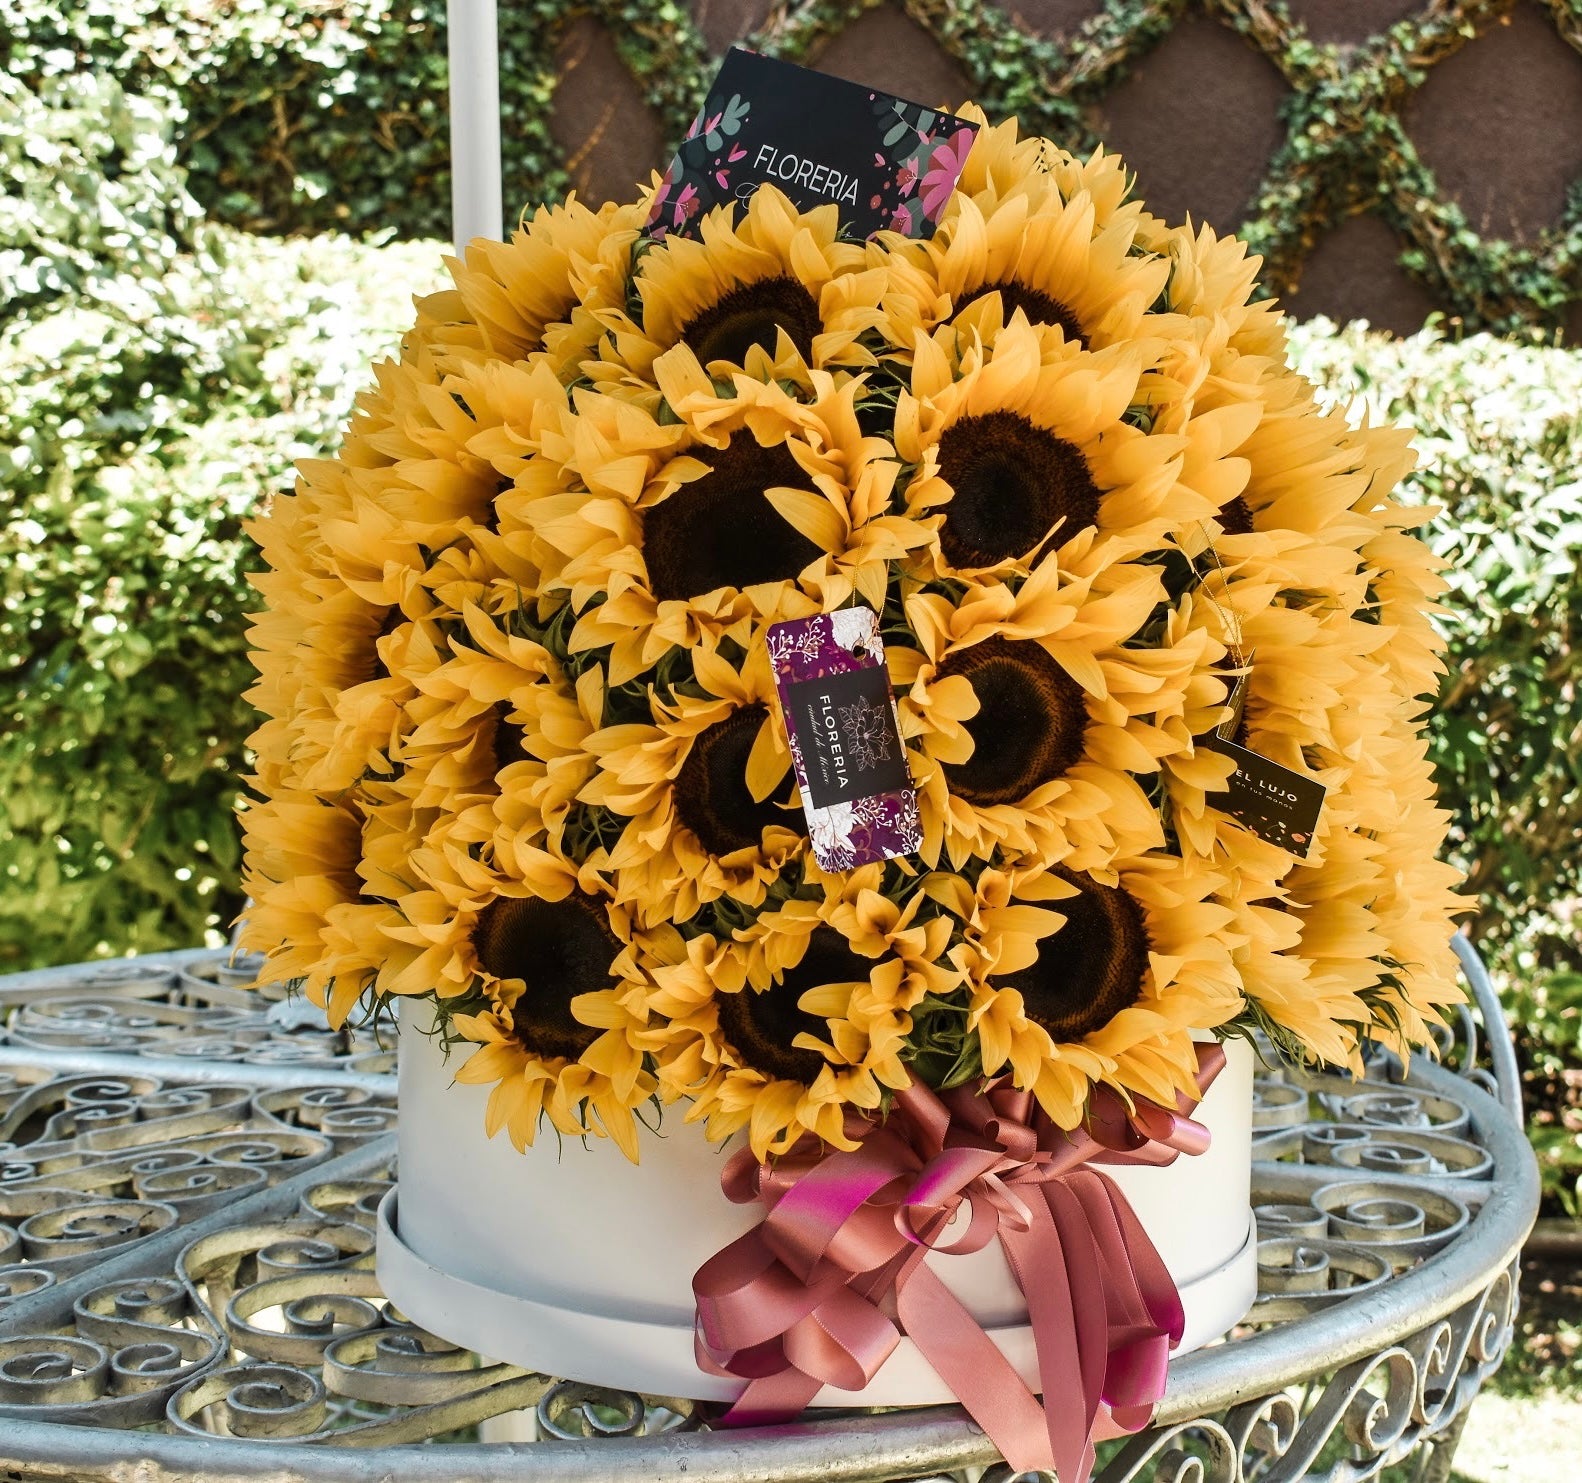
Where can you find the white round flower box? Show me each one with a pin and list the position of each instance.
(571, 1261)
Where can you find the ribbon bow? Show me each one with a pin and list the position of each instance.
(821, 1291)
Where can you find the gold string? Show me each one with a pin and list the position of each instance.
(1236, 696)
(1229, 616)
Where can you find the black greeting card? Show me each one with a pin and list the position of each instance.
(1277, 804)
(847, 736)
(884, 162)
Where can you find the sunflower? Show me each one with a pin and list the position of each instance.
(1073, 981)
(363, 725)
(849, 512)
(742, 512)
(1031, 716)
(301, 862)
(1018, 438)
(898, 927)
(1255, 638)
(704, 793)
(613, 460)
(541, 744)
(404, 468)
(1001, 161)
(556, 1038)
(543, 289)
(467, 723)
(521, 754)
(739, 1028)
(1061, 259)
(772, 292)
(1211, 285)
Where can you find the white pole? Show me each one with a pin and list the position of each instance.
(476, 195)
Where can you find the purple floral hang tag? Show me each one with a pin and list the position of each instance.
(845, 738)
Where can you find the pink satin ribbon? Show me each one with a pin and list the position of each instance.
(821, 1291)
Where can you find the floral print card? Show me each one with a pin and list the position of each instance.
(845, 739)
(885, 162)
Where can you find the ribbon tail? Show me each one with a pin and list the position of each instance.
(970, 1364)
(772, 1399)
(1059, 1271)
(1146, 1318)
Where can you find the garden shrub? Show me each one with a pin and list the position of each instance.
(90, 191)
(157, 378)
(330, 115)
(1546, 1020)
(1498, 429)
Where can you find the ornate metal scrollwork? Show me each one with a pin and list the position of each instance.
(1189, 1452)
(1382, 1408)
(190, 1170)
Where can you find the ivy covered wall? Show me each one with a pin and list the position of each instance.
(1390, 158)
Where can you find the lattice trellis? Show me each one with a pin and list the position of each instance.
(1387, 157)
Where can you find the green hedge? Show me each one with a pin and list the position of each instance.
(331, 115)
(1499, 436)
(157, 378)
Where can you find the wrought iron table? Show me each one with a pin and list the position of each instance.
(189, 1171)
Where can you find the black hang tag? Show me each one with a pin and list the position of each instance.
(885, 162)
(1278, 805)
(846, 733)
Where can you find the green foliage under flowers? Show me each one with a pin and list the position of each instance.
(313, 115)
(157, 378)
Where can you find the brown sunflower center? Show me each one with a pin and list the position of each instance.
(559, 949)
(751, 315)
(712, 797)
(392, 620)
(1236, 518)
(1089, 970)
(1012, 482)
(1030, 723)
(761, 1027)
(491, 516)
(720, 530)
(508, 740)
(1039, 307)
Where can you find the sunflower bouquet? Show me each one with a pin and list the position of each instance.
(522, 753)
